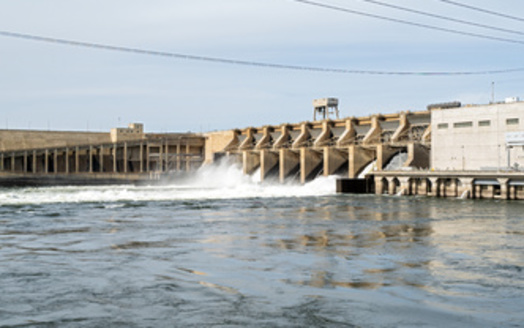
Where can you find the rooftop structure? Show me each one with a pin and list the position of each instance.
(326, 107)
(134, 131)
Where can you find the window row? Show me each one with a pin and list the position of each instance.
(468, 124)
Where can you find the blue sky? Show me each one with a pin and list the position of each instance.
(57, 87)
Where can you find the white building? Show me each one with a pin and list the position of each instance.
(487, 137)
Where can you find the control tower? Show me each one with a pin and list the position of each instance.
(326, 107)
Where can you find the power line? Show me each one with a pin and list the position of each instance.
(405, 22)
(485, 11)
(451, 19)
(247, 62)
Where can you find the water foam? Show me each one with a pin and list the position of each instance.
(221, 181)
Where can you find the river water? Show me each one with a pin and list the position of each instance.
(223, 250)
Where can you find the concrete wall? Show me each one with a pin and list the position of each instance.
(474, 137)
(24, 139)
(216, 142)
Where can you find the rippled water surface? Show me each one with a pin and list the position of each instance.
(248, 255)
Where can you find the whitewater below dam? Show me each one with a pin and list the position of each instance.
(223, 250)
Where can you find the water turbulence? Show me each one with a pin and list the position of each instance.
(223, 180)
(396, 162)
(368, 169)
(221, 249)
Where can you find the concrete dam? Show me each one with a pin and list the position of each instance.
(449, 150)
(283, 152)
(343, 147)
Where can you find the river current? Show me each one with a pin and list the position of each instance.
(223, 250)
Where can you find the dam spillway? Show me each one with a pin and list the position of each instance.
(343, 147)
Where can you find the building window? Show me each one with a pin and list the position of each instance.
(442, 126)
(463, 124)
(484, 123)
(512, 121)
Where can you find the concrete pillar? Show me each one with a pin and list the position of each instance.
(289, 162)
(349, 134)
(512, 191)
(13, 162)
(491, 191)
(334, 159)
(114, 158)
(413, 186)
(442, 190)
(451, 188)
(66, 159)
(141, 156)
(2, 162)
(359, 158)
(250, 161)
(310, 160)
(34, 168)
(478, 191)
(101, 158)
(454, 187)
(466, 190)
(55, 161)
(422, 187)
(233, 144)
(249, 141)
(283, 139)
(402, 130)
(392, 187)
(434, 187)
(324, 137)
(268, 162)
(188, 158)
(125, 157)
(77, 160)
(265, 141)
(178, 157)
(46, 161)
(167, 156)
(90, 159)
(161, 156)
(147, 157)
(304, 136)
(426, 136)
(25, 162)
(504, 194)
(375, 132)
(405, 186)
(379, 185)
